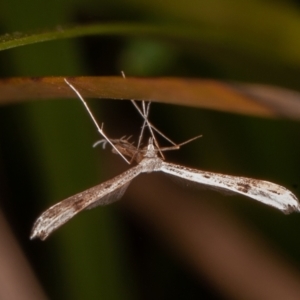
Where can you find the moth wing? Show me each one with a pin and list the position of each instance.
(102, 194)
(263, 191)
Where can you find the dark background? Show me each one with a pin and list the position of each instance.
(46, 149)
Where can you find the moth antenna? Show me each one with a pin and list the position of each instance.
(100, 129)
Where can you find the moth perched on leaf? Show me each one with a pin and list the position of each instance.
(151, 159)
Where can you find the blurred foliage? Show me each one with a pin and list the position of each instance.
(46, 152)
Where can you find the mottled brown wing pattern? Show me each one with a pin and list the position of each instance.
(263, 191)
(102, 194)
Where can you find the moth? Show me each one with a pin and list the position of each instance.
(151, 159)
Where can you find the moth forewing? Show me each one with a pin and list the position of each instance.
(111, 197)
(263, 191)
(102, 194)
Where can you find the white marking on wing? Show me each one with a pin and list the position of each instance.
(102, 194)
(263, 191)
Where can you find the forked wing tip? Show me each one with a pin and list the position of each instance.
(291, 208)
(37, 232)
(292, 205)
(38, 235)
